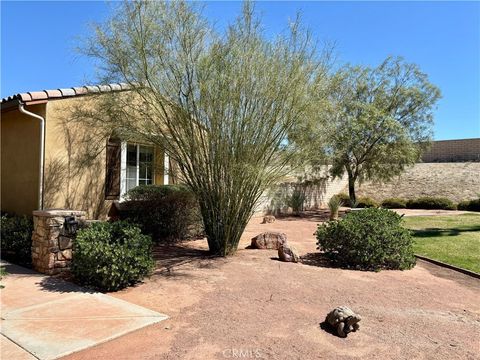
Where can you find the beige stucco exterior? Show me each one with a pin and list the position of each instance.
(75, 160)
(20, 164)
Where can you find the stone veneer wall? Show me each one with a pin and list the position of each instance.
(456, 181)
(51, 246)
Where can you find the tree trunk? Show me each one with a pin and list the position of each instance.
(224, 226)
(351, 190)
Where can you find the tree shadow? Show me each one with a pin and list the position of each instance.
(169, 258)
(320, 215)
(435, 232)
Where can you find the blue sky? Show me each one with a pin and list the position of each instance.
(38, 41)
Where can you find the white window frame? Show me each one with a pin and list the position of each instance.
(123, 166)
(166, 168)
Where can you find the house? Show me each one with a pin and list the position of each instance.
(48, 160)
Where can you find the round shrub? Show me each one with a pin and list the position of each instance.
(431, 203)
(394, 203)
(111, 256)
(16, 239)
(166, 212)
(366, 202)
(469, 205)
(370, 239)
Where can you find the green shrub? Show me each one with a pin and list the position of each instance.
(366, 202)
(166, 212)
(296, 200)
(431, 203)
(111, 256)
(370, 239)
(394, 203)
(344, 198)
(469, 205)
(16, 239)
(334, 204)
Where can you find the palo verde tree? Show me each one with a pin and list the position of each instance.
(374, 121)
(221, 103)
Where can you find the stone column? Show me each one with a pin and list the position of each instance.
(51, 244)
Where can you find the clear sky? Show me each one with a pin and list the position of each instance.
(38, 41)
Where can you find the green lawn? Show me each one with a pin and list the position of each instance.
(454, 240)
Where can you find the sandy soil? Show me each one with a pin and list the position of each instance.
(253, 306)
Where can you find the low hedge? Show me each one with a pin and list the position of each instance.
(16, 239)
(344, 198)
(166, 212)
(394, 203)
(111, 256)
(469, 205)
(362, 202)
(370, 239)
(431, 203)
(366, 202)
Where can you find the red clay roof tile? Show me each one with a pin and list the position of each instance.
(38, 95)
(65, 92)
(80, 90)
(23, 97)
(53, 93)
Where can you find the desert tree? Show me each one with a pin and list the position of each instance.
(220, 102)
(373, 122)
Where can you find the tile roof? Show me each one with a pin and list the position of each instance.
(55, 94)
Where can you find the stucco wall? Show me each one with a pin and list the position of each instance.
(75, 160)
(456, 181)
(20, 148)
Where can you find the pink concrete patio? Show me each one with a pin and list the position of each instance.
(48, 318)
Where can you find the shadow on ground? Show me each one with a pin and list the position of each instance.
(169, 258)
(321, 215)
(434, 232)
(328, 328)
(16, 269)
(63, 285)
(317, 259)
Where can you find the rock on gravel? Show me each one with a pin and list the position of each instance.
(288, 253)
(269, 240)
(268, 219)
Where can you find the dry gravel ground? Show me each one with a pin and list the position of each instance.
(253, 306)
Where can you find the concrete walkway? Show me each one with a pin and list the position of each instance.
(47, 318)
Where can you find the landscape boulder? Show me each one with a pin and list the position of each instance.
(288, 253)
(269, 240)
(268, 219)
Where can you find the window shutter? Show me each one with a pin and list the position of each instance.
(112, 174)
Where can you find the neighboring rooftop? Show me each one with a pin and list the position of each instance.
(32, 97)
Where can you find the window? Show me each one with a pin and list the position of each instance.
(139, 166)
